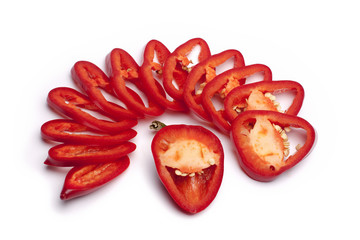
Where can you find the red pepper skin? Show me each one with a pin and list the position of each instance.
(83, 180)
(238, 94)
(69, 102)
(152, 87)
(122, 67)
(199, 74)
(191, 193)
(91, 79)
(69, 131)
(220, 81)
(249, 160)
(174, 67)
(68, 155)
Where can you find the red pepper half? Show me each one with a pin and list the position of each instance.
(260, 139)
(223, 84)
(122, 67)
(203, 73)
(237, 100)
(177, 66)
(69, 131)
(85, 179)
(68, 155)
(69, 102)
(155, 55)
(190, 163)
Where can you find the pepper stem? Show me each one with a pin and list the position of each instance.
(157, 125)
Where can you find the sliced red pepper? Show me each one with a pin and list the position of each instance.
(69, 102)
(68, 155)
(190, 163)
(69, 131)
(91, 79)
(122, 67)
(155, 55)
(260, 139)
(223, 84)
(203, 73)
(83, 180)
(177, 66)
(237, 101)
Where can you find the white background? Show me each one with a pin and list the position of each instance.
(313, 42)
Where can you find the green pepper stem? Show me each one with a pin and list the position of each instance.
(157, 125)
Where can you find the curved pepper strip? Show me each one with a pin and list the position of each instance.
(152, 87)
(83, 180)
(122, 67)
(68, 155)
(91, 79)
(177, 66)
(69, 102)
(203, 73)
(225, 83)
(69, 131)
(258, 167)
(239, 94)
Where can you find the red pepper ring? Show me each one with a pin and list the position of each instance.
(239, 94)
(68, 155)
(69, 102)
(259, 158)
(177, 66)
(203, 73)
(83, 180)
(69, 131)
(225, 83)
(121, 67)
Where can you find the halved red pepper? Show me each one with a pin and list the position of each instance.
(155, 55)
(190, 163)
(69, 131)
(236, 101)
(260, 139)
(68, 155)
(223, 84)
(203, 73)
(90, 78)
(69, 102)
(122, 67)
(177, 66)
(83, 180)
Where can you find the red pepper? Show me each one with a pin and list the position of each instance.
(68, 155)
(236, 99)
(262, 144)
(223, 84)
(83, 180)
(155, 55)
(122, 67)
(91, 79)
(69, 102)
(69, 131)
(203, 73)
(190, 163)
(177, 66)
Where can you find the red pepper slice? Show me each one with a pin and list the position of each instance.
(69, 131)
(151, 67)
(91, 79)
(83, 180)
(190, 163)
(238, 96)
(223, 84)
(177, 66)
(122, 67)
(69, 102)
(68, 155)
(262, 145)
(203, 73)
